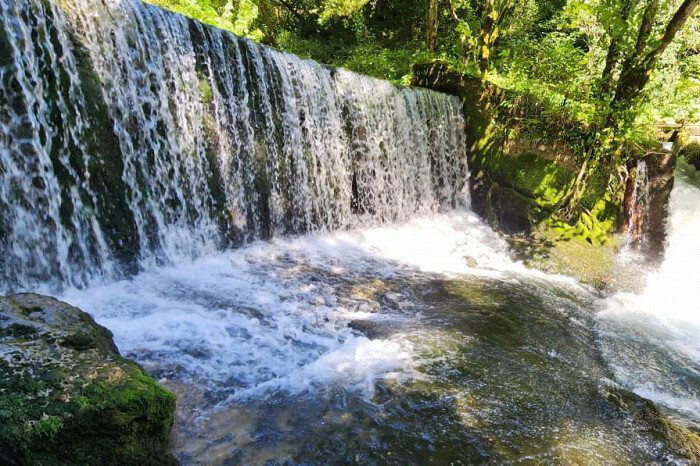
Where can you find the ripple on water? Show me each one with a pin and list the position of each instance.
(339, 347)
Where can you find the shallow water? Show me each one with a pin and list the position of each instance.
(652, 337)
(414, 342)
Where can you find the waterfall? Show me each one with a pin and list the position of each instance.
(131, 136)
(637, 203)
(651, 337)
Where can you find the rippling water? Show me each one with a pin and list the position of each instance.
(418, 341)
(652, 338)
(137, 143)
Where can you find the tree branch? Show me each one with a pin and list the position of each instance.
(646, 26)
(612, 58)
(291, 9)
(637, 72)
(455, 16)
(676, 23)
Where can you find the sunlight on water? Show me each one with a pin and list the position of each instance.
(653, 338)
(398, 311)
(275, 315)
(204, 141)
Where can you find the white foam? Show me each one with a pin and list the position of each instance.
(274, 315)
(663, 320)
(689, 406)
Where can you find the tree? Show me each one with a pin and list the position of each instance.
(490, 15)
(488, 33)
(433, 24)
(637, 68)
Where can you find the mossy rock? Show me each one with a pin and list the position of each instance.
(679, 439)
(68, 397)
(508, 210)
(691, 152)
(543, 180)
(571, 253)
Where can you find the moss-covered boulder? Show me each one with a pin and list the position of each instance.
(66, 394)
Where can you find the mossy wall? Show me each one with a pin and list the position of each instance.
(524, 159)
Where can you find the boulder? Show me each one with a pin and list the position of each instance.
(66, 394)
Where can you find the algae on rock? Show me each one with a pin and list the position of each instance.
(644, 412)
(66, 394)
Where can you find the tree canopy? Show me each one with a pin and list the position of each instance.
(640, 57)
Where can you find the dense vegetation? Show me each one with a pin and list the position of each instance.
(605, 68)
(572, 52)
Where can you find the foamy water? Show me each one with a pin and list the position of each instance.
(274, 315)
(652, 338)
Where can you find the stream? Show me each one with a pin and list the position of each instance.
(415, 342)
(290, 248)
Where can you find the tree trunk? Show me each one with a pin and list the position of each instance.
(613, 56)
(486, 36)
(638, 68)
(433, 23)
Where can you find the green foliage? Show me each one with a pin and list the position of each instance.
(555, 50)
(691, 153)
(236, 16)
(560, 62)
(543, 180)
(336, 8)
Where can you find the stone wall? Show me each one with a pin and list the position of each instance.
(519, 171)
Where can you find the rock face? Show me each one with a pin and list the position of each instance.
(645, 214)
(521, 158)
(66, 394)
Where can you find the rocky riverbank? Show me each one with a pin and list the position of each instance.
(68, 397)
(524, 161)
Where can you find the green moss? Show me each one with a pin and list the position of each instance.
(68, 397)
(205, 91)
(79, 341)
(17, 331)
(128, 418)
(682, 441)
(572, 251)
(542, 180)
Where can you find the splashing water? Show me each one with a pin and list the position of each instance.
(274, 316)
(138, 148)
(652, 338)
(135, 137)
(639, 204)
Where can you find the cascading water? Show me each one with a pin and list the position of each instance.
(194, 139)
(137, 147)
(638, 204)
(651, 337)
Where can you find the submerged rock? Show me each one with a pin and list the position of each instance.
(68, 396)
(679, 439)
